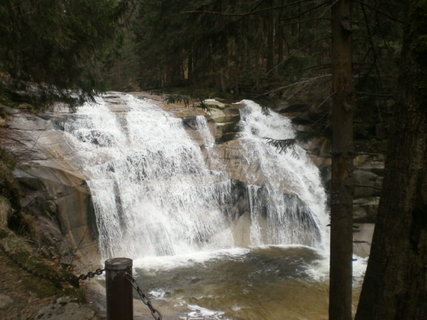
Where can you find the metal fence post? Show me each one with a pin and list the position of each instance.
(119, 289)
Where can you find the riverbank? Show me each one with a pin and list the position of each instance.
(53, 174)
(26, 296)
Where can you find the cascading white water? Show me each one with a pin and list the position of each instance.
(202, 127)
(290, 208)
(154, 194)
(208, 142)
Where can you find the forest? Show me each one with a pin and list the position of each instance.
(351, 75)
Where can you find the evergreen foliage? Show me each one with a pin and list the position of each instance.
(255, 46)
(272, 48)
(62, 43)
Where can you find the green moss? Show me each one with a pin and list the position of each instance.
(41, 288)
(9, 189)
(3, 234)
(44, 289)
(230, 127)
(8, 160)
(77, 293)
(220, 119)
(225, 138)
(21, 252)
(8, 186)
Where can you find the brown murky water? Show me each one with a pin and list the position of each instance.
(274, 283)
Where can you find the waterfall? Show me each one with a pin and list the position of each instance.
(154, 191)
(292, 200)
(208, 143)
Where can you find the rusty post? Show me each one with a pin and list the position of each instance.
(119, 289)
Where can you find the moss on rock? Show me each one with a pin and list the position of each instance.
(21, 253)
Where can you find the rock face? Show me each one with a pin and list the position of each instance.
(367, 174)
(362, 239)
(66, 308)
(52, 190)
(225, 117)
(367, 184)
(55, 192)
(368, 168)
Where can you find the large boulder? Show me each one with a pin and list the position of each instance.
(66, 308)
(362, 239)
(225, 117)
(365, 209)
(53, 190)
(61, 203)
(366, 183)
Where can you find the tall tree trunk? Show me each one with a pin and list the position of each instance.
(395, 285)
(340, 292)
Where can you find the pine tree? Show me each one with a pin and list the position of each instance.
(395, 282)
(61, 43)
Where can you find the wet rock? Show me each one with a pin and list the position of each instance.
(362, 239)
(225, 118)
(66, 308)
(217, 115)
(26, 122)
(239, 202)
(210, 103)
(190, 122)
(365, 209)
(5, 301)
(53, 190)
(366, 184)
(226, 131)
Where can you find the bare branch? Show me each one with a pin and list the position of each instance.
(385, 14)
(375, 94)
(308, 11)
(296, 83)
(251, 12)
(371, 39)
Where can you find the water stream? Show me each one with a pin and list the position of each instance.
(163, 201)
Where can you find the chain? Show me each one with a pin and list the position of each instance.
(90, 274)
(72, 279)
(154, 312)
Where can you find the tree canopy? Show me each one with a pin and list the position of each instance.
(63, 43)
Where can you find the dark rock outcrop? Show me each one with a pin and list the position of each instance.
(52, 191)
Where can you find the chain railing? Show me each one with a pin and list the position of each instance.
(143, 297)
(74, 280)
(55, 279)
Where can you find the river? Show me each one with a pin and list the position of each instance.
(169, 202)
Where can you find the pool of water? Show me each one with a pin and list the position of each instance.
(270, 282)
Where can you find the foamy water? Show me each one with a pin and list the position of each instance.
(158, 201)
(291, 282)
(154, 194)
